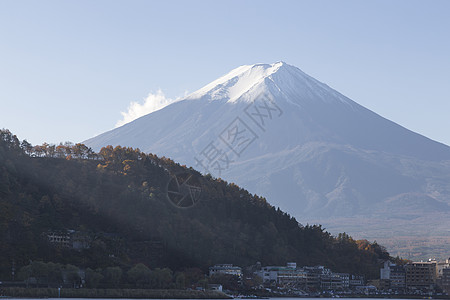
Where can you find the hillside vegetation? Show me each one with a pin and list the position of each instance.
(117, 200)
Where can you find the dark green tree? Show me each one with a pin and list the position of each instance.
(140, 275)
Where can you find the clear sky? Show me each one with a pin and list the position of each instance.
(69, 68)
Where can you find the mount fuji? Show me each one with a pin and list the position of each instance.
(309, 150)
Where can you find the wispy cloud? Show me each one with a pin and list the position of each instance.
(153, 102)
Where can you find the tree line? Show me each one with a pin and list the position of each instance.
(49, 274)
(63, 150)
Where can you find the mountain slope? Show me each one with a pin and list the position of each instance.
(314, 109)
(310, 150)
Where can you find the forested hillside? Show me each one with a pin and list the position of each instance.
(117, 202)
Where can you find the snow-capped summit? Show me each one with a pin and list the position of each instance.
(281, 80)
(243, 80)
(308, 149)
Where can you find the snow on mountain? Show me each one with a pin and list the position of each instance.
(280, 133)
(247, 82)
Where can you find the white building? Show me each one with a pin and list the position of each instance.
(225, 269)
(441, 266)
(385, 271)
(345, 278)
(283, 274)
(215, 287)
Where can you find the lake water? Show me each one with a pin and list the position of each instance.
(216, 299)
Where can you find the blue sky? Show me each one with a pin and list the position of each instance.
(69, 68)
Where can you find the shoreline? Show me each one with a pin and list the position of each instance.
(15, 292)
(84, 293)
